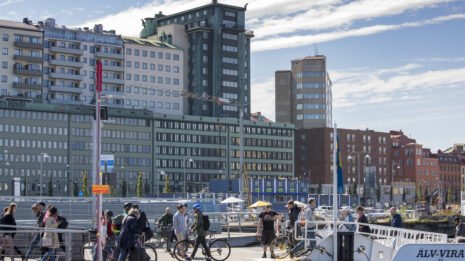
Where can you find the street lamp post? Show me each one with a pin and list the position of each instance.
(69, 180)
(358, 154)
(185, 178)
(42, 156)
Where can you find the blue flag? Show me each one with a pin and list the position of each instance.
(340, 177)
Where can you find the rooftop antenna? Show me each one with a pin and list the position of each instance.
(315, 48)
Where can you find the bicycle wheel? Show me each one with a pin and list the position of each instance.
(281, 247)
(150, 253)
(183, 247)
(219, 250)
(87, 251)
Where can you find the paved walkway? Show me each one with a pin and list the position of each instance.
(237, 254)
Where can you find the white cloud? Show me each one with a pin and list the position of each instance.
(301, 40)
(263, 97)
(375, 86)
(9, 2)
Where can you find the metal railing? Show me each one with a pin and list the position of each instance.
(25, 242)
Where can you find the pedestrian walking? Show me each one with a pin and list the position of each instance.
(266, 229)
(9, 221)
(127, 237)
(179, 226)
(50, 239)
(396, 219)
(39, 215)
(199, 227)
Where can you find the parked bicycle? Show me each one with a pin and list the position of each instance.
(286, 245)
(219, 248)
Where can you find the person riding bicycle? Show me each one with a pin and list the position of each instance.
(198, 227)
(165, 224)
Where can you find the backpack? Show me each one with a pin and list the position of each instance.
(206, 223)
(64, 222)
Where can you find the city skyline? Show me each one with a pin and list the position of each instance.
(387, 71)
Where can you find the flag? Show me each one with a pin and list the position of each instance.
(98, 85)
(340, 177)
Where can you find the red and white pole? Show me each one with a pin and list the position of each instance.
(98, 92)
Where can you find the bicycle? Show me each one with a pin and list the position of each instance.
(162, 237)
(285, 245)
(220, 249)
(109, 252)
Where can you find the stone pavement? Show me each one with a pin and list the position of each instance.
(237, 254)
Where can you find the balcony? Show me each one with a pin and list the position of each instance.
(110, 55)
(56, 49)
(113, 68)
(113, 80)
(66, 76)
(114, 94)
(28, 45)
(28, 86)
(28, 58)
(66, 63)
(68, 89)
(24, 71)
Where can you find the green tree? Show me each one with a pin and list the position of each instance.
(124, 189)
(139, 185)
(85, 188)
(167, 184)
(50, 187)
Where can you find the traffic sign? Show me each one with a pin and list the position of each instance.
(100, 189)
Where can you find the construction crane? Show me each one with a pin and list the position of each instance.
(243, 181)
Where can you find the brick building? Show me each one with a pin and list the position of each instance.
(362, 151)
(449, 176)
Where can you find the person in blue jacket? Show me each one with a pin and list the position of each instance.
(396, 219)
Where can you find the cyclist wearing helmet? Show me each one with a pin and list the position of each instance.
(118, 220)
(198, 227)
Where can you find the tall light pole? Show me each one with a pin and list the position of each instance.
(185, 178)
(43, 156)
(68, 185)
(358, 154)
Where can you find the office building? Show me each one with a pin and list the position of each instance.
(216, 54)
(21, 46)
(303, 95)
(162, 148)
(153, 75)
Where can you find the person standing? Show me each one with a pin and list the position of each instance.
(309, 226)
(50, 239)
(348, 218)
(362, 219)
(293, 212)
(198, 227)
(459, 230)
(179, 226)
(9, 221)
(396, 219)
(37, 211)
(127, 237)
(266, 229)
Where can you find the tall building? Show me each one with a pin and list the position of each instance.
(21, 60)
(172, 149)
(217, 54)
(69, 61)
(154, 75)
(303, 95)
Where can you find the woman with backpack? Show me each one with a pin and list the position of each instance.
(199, 227)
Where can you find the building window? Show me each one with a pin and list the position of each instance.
(4, 78)
(144, 53)
(160, 68)
(128, 51)
(5, 37)
(176, 57)
(167, 80)
(152, 66)
(136, 64)
(144, 66)
(175, 69)
(136, 52)
(175, 106)
(4, 65)
(128, 63)
(152, 54)
(136, 77)
(160, 79)
(5, 51)
(175, 81)
(128, 76)
(167, 56)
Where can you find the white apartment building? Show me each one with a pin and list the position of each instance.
(21, 60)
(153, 75)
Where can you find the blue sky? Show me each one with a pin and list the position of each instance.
(397, 64)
